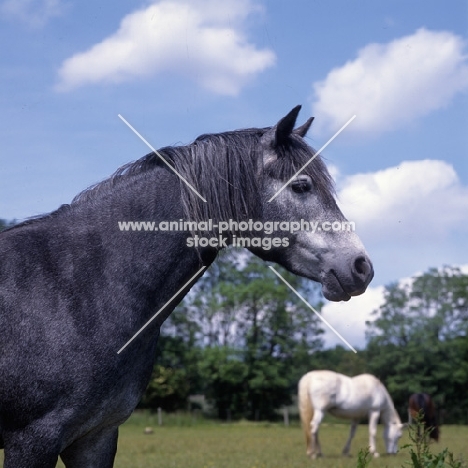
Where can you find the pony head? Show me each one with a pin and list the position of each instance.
(392, 434)
(329, 252)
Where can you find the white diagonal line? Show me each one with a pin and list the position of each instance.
(160, 156)
(312, 158)
(312, 309)
(160, 310)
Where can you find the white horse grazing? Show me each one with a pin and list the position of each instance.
(350, 398)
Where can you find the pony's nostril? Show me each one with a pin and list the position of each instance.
(361, 266)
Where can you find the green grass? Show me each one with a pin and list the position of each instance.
(184, 442)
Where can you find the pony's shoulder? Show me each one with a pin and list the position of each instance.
(367, 376)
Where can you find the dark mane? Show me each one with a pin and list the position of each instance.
(225, 168)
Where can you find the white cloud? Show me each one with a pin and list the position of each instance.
(417, 200)
(349, 318)
(34, 13)
(389, 85)
(203, 40)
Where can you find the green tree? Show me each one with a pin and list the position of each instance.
(168, 389)
(224, 373)
(278, 328)
(242, 337)
(340, 360)
(418, 340)
(242, 306)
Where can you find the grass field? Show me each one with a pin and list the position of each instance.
(185, 443)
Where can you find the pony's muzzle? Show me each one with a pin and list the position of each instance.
(342, 282)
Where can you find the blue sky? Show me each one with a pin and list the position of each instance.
(176, 69)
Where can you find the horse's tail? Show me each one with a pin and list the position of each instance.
(306, 410)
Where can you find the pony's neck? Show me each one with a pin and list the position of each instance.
(389, 413)
(150, 266)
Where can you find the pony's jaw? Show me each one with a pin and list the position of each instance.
(343, 273)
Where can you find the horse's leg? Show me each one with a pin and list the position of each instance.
(318, 447)
(95, 450)
(315, 449)
(33, 457)
(373, 420)
(352, 431)
(30, 448)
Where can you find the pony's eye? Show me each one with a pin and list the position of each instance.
(303, 183)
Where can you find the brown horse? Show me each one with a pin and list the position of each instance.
(422, 404)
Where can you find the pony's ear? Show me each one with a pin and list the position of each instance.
(285, 126)
(303, 129)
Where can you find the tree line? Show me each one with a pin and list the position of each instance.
(243, 339)
(237, 338)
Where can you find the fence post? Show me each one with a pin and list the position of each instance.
(159, 416)
(286, 416)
